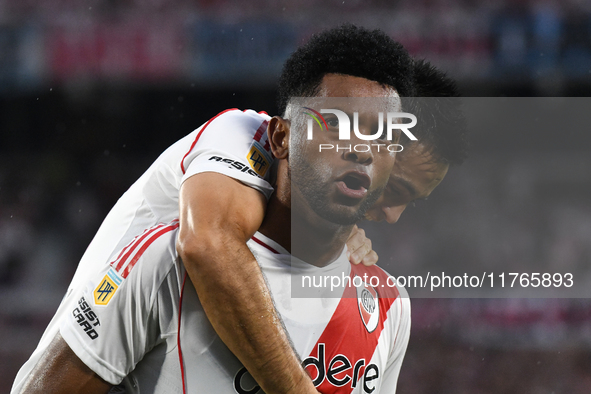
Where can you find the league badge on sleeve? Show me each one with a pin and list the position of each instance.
(107, 287)
(369, 307)
(258, 158)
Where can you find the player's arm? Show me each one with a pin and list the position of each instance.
(218, 215)
(61, 371)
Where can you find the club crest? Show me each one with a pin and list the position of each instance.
(369, 307)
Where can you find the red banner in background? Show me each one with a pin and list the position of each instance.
(116, 52)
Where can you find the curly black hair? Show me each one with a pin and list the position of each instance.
(441, 125)
(348, 50)
(431, 82)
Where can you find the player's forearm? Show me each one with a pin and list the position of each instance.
(218, 215)
(60, 371)
(236, 299)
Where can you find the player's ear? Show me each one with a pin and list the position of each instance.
(278, 134)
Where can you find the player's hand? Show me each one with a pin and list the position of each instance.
(359, 248)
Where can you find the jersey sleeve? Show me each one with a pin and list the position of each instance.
(401, 338)
(234, 143)
(128, 308)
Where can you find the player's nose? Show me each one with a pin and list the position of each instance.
(393, 213)
(358, 152)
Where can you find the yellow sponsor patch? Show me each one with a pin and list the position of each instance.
(104, 291)
(257, 161)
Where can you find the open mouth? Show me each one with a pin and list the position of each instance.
(354, 184)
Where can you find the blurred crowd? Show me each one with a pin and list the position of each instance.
(509, 42)
(47, 219)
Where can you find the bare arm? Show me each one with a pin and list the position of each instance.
(218, 215)
(61, 371)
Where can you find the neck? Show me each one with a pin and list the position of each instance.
(303, 233)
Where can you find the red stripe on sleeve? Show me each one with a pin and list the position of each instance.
(145, 246)
(130, 248)
(261, 130)
(199, 135)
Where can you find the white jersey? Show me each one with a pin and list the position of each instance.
(233, 143)
(139, 323)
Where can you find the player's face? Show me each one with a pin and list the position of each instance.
(414, 177)
(340, 186)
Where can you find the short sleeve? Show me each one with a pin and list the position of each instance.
(233, 143)
(117, 317)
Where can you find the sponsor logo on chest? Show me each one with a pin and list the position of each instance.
(337, 372)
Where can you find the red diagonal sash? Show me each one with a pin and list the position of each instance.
(343, 352)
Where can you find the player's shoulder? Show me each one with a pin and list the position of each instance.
(234, 127)
(393, 293)
(236, 115)
(377, 276)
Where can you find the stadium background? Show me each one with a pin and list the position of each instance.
(92, 91)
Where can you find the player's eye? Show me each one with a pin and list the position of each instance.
(332, 122)
(392, 190)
